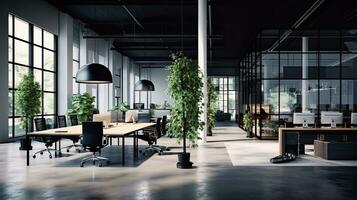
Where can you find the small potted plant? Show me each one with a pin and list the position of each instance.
(248, 123)
(82, 106)
(28, 102)
(122, 107)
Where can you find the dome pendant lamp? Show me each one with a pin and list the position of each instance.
(94, 73)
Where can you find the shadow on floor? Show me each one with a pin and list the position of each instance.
(114, 154)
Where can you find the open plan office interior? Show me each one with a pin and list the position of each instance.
(178, 99)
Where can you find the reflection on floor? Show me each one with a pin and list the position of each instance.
(156, 177)
(258, 153)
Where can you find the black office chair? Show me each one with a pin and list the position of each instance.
(139, 106)
(40, 125)
(92, 133)
(74, 120)
(143, 117)
(151, 136)
(62, 122)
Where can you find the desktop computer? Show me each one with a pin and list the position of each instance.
(353, 118)
(332, 118)
(304, 118)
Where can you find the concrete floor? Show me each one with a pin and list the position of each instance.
(156, 177)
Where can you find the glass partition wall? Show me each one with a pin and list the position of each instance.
(294, 71)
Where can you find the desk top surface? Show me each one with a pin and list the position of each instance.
(318, 129)
(121, 129)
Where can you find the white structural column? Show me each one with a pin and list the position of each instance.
(305, 73)
(202, 59)
(65, 62)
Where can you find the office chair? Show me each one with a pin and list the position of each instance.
(74, 120)
(151, 136)
(40, 125)
(62, 122)
(143, 117)
(139, 106)
(92, 133)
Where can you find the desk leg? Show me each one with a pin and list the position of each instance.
(59, 148)
(118, 141)
(137, 144)
(111, 141)
(27, 151)
(123, 151)
(134, 145)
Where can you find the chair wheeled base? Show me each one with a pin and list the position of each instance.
(78, 147)
(94, 158)
(48, 150)
(152, 147)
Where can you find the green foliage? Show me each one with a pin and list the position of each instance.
(248, 121)
(185, 88)
(122, 107)
(82, 106)
(212, 105)
(28, 99)
(165, 105)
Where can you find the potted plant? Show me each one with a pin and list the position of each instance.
(165, 105)
(212, 106)
(185, 88)
(248, 123)
(122, 107)
(28, 104)
(82, 106)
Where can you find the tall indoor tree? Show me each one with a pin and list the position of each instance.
(212, 106)
(185, 88)
(28, 104)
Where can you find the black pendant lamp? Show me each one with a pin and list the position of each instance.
(144, 85)
(94, 73)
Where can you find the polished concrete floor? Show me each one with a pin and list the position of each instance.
(156, 177)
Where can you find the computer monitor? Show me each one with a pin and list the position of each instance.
(332, 118)
(139, 106)
(105, 118)
(304, 118)
(353, 118)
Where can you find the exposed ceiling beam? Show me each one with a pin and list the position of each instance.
(137, 2)
(150, 36)
(148, 48)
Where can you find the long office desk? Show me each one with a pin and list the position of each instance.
(308, 135)
(121, 130)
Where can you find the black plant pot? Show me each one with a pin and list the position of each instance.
(209, 133)
(25, 144)
(184, 161)
(123, 116)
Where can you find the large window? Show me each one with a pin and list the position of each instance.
(31, 48)
(226, 93)
(76, 42)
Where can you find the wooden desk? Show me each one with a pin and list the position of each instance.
(121, 130)
(308, 135)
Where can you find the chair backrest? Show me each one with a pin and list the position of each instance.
(74, 120)
(158, 127)
(92, 133)
(143, 117)
(139, 106)
(61, 121)
(40, 124)
(163, 125)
